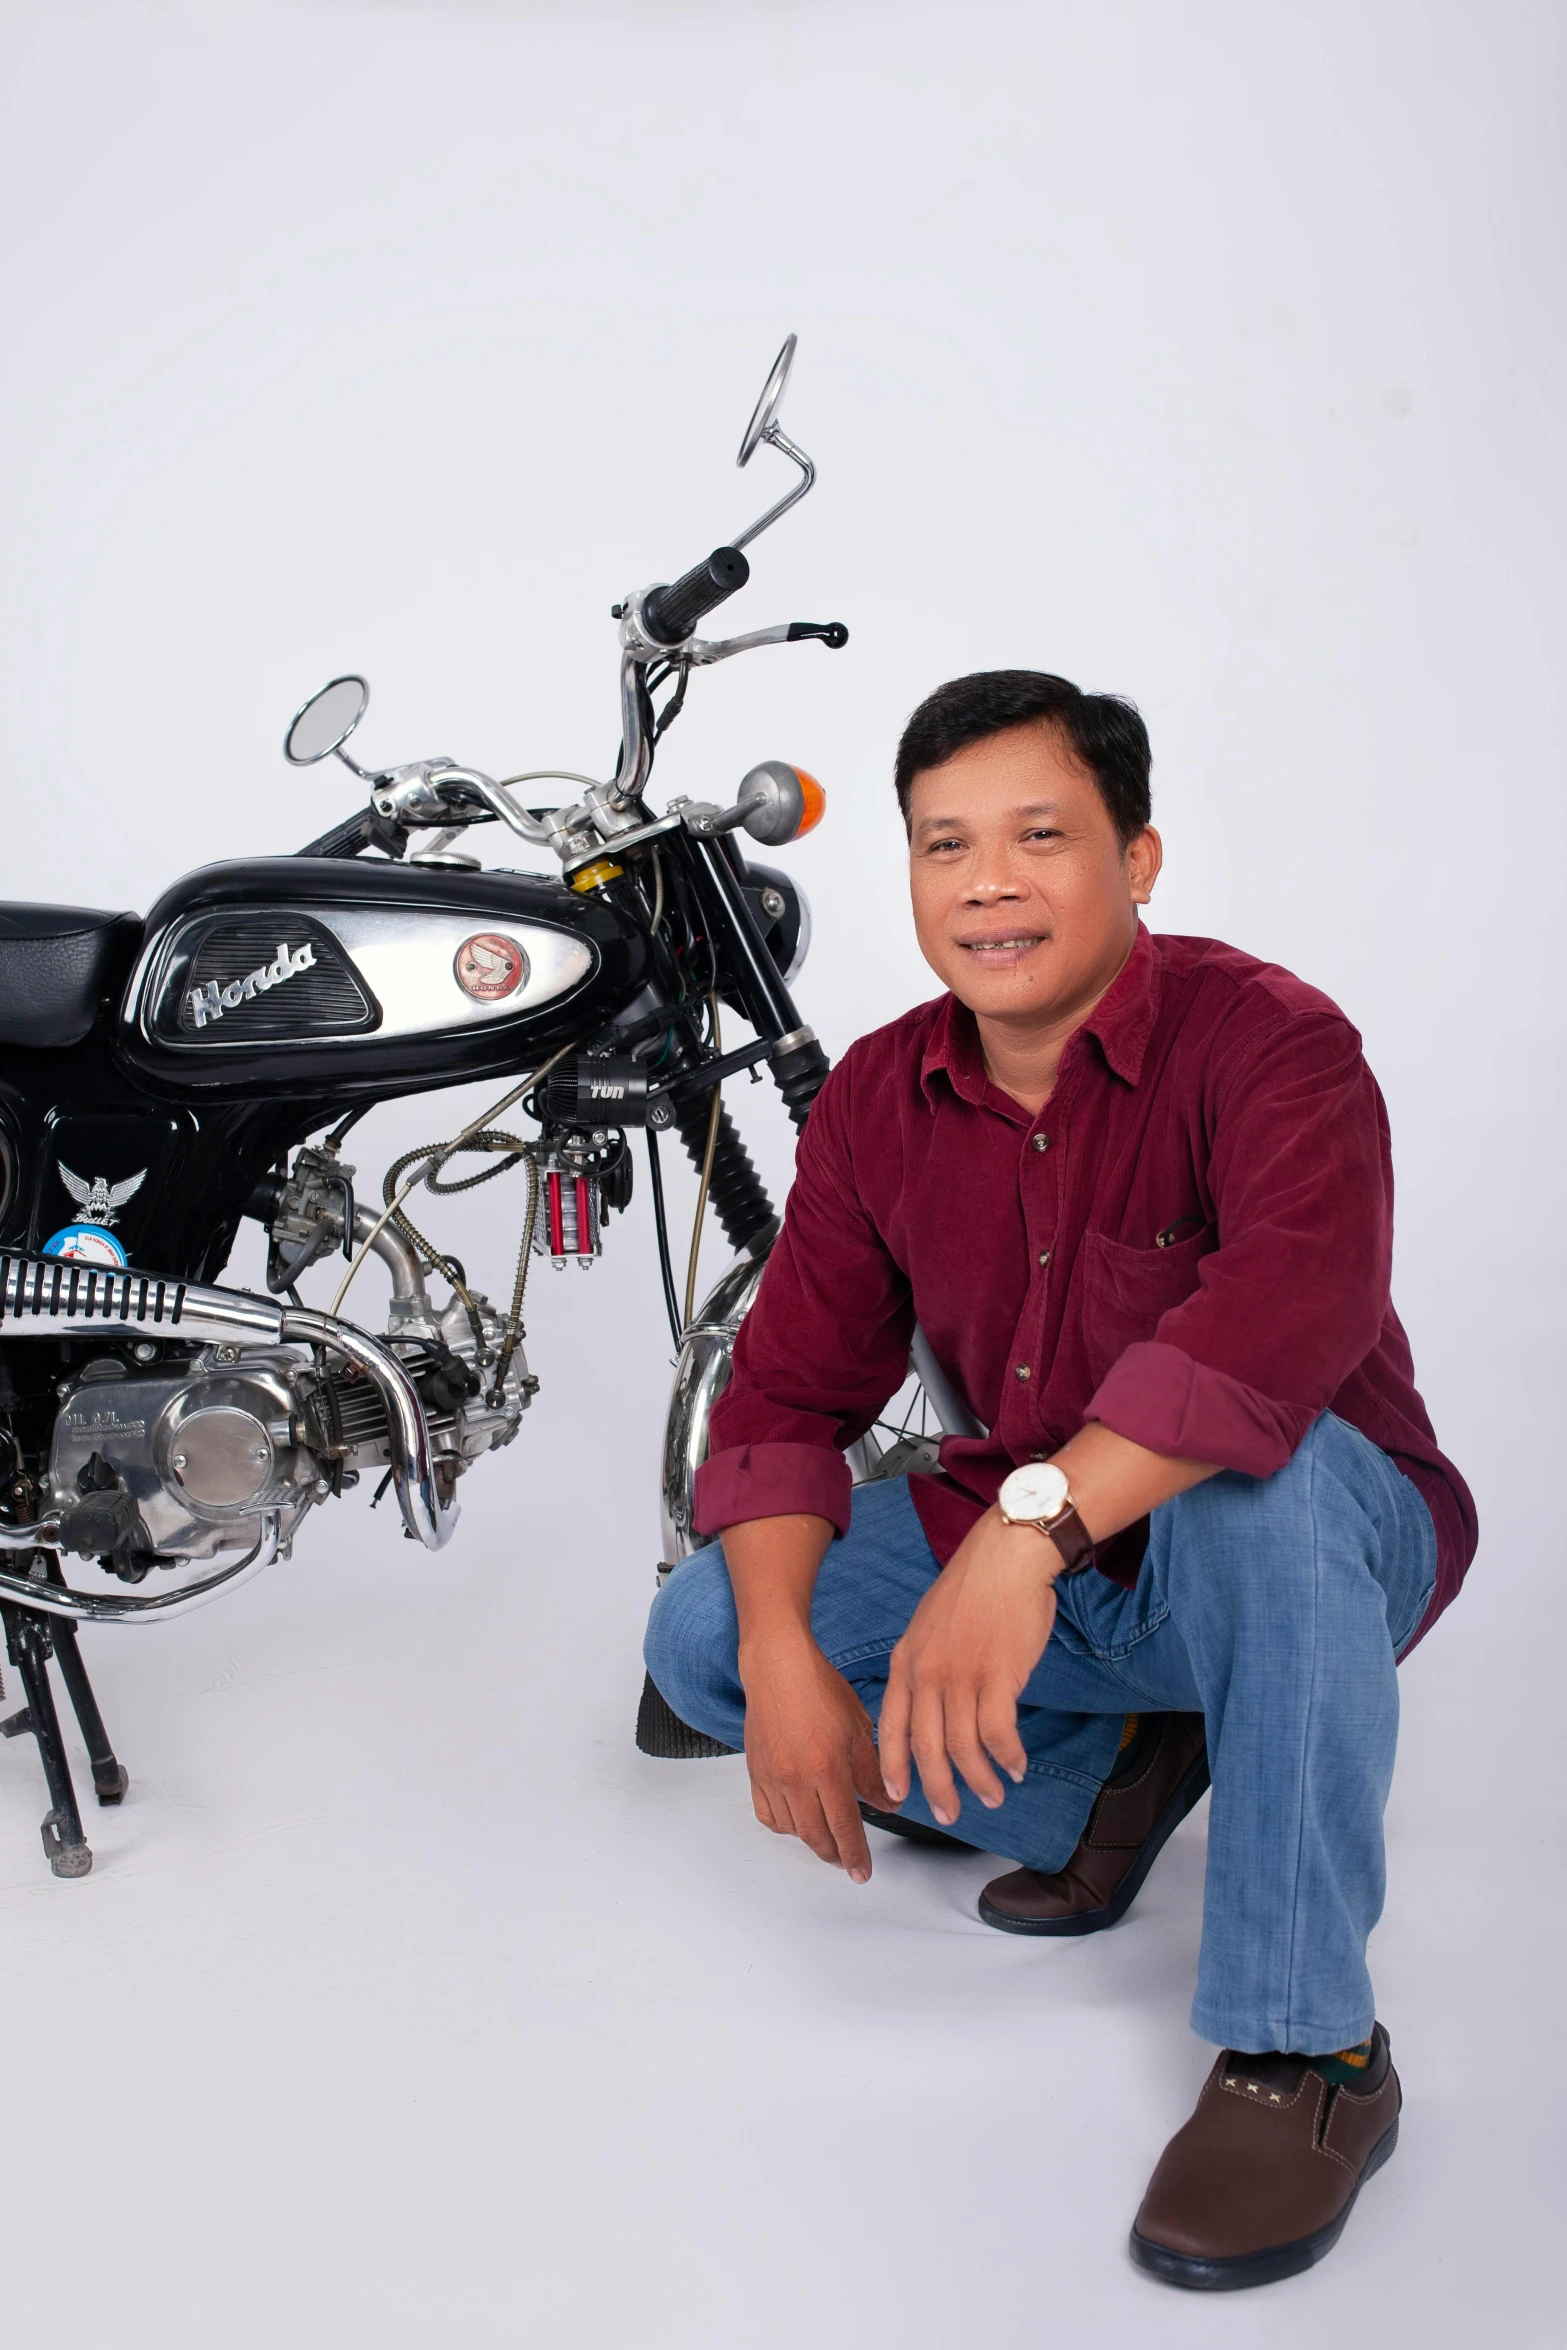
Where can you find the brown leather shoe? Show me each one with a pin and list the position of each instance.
(1260, 2181)
(1135, 1814)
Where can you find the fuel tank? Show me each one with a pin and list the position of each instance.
(277, 975)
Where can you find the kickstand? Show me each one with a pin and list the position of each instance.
(31, 1638)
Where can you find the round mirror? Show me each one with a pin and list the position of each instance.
(326, 720)
(767, 406)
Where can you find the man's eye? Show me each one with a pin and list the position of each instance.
(937, 847)
(1044, 832)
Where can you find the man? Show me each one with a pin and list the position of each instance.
(1137, 1192)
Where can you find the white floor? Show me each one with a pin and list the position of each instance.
(407, 2002)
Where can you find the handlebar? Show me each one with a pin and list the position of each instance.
(669, 614)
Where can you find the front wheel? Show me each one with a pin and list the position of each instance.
(905, 1441)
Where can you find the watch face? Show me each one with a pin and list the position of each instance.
(1038, 1491)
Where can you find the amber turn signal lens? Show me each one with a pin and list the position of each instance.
(815, 803)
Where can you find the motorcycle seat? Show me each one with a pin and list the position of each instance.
(56, 965)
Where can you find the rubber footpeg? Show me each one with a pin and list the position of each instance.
(662, 1733)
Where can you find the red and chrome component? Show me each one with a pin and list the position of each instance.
(570, 1217)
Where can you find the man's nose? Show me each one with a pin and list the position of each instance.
(993, 879)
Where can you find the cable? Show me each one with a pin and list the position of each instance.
(442, 1152)
(707, 1175)
(551, 775)
(666, 1270)
(334, 1141)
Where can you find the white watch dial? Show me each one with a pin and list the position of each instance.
(1039, 1490)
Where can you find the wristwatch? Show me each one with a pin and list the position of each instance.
(1039, 1495)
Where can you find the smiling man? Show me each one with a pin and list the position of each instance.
(1137, 1191)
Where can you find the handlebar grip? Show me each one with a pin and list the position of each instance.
(670, 613)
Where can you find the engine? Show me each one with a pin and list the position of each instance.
(192, 1455)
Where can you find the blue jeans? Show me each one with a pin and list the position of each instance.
(1275, 1607)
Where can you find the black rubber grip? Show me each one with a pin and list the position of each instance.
(670, 613)
(344, 840)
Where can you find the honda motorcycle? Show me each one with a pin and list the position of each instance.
(164, 1077)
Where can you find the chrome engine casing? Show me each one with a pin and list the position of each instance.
(211, 1448)
(204, 1448)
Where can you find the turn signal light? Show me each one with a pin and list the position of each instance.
(815, 804)
(778, 803)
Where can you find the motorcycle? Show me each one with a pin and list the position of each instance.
(164, 1078)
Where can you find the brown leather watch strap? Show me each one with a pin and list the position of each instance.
(1071, 1538)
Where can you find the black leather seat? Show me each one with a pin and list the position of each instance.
(56, 965)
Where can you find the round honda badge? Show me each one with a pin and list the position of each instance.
(490, 966)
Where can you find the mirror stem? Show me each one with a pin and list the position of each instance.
(777, 438)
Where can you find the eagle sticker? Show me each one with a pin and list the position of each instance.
(91, 1242)
(100, 1201)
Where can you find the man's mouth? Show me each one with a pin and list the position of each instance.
(998, 946)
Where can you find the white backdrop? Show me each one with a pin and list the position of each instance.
(1213, 354)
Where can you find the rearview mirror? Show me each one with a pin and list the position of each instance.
(761, 425)
(326, 721)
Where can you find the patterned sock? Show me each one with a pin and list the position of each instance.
(1345, 2067)
(1128, 1732)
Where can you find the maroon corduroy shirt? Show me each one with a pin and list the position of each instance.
(1191, 1243)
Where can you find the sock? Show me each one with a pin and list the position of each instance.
(1345, 2068)
(1138, 1735)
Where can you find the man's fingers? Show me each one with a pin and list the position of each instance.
(893, 1733)
(998, 1729)
(762, 1805)
(810, 1824)
(847, 1829)
(929, 1739)
(960, 1710)
(866, 1772)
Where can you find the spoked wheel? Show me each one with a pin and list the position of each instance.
(905, 1441)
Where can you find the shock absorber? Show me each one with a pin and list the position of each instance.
(737, 1192)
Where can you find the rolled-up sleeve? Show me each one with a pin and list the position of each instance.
(1294, 1296)
(821, 1350)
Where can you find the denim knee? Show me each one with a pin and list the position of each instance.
(1267, 1532)
(692, 1643)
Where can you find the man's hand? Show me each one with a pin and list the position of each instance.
(810, 1750)
(959, 1669)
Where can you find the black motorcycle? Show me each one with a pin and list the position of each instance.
(164, 1077)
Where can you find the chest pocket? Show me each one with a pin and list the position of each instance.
(1126, 1290)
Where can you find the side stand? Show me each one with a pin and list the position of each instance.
(30, 1640)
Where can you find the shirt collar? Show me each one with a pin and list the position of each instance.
(1121, 1023)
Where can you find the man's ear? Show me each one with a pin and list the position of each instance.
(1144, 857)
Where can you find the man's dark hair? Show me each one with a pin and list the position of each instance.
(1104, 734)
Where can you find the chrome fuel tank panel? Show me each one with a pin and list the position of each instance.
(433, 972)
(367, 974)
(216, 982)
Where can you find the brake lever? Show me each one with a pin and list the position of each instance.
(701, 655)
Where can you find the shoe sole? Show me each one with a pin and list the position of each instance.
(914, 1831)
(1243, 2269)
(1188, 1793)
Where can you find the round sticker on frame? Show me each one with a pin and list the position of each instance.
(490, 966)
(85, 1244)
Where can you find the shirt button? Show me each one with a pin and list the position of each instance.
(1044, 1256)
(1023, 1371)
(1041, 1142)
